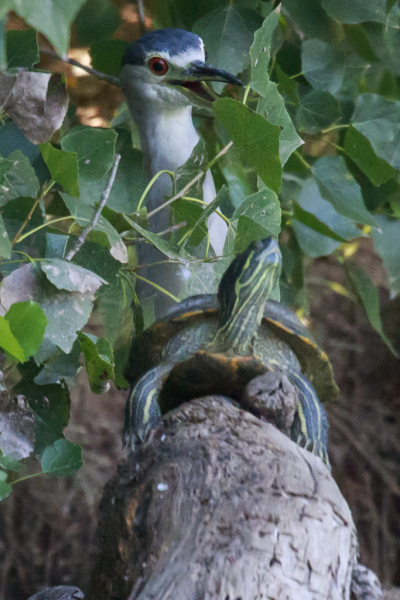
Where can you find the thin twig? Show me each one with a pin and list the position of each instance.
(17, 236)
(104, 197)
(172, 261)
(171, 229)
(192, 182)
(71, 61)
(158, 287)
(141, 15)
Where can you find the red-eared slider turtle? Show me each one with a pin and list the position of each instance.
(216, 344)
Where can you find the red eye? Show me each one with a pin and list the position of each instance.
(158, 65)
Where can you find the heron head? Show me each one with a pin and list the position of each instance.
(166, 68)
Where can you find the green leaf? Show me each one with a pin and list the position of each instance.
(328, 221)
(8, 341)
(369, 297)
(3, 57)
(5, 490)
(107, 56)
(121, 345)
(361, 152)
(378, 119)
(227, 33)
(27, 323)
(51, 17)
(158, 242)
(49, 405)
(183, 210)
(329, 69)
(311, 18)
(311, 242)
(63, 167)
(184, 174)
(10, 464)
(60, 367)
(357, 11)
(17, 178)
(130, 181)
(98, 260)
(358, 38)
(66, 312)
(312, 222)
(316, 111)
(95, 150)
(272, 107)
(61, 459)
(387, 245)
(322, 65)
(96, 18)
(338, 186)
(67, 276)
(248, 231)
(255, 139)
(286, 85)
(22, 48)
(103, 234)
(260, 54)
(5, 244)
(99, 362)
(263, 208)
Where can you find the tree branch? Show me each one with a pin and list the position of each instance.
(71, 61)
(104, 197)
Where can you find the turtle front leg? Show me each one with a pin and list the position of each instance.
(310, 427)
(142, 412)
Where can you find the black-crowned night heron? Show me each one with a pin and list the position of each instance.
(162, 74)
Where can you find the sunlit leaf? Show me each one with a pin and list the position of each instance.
(8, 341)
(27, 323)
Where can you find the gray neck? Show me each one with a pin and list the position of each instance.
(167, 137)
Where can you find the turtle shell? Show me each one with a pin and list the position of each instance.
(194, 322)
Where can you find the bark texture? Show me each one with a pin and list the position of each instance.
(220, 505)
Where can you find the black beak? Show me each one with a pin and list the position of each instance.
(198, 71)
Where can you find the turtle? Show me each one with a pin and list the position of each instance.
(217, 343)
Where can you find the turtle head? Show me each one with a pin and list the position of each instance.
(245, 287)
